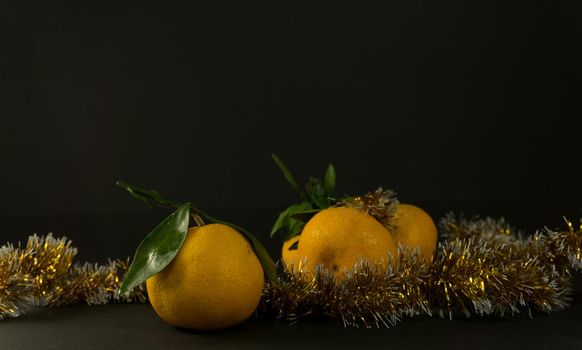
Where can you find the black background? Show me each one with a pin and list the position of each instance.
(457, 105)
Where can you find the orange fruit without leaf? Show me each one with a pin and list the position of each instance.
(214, 282)
(413, 227)
(339, 237)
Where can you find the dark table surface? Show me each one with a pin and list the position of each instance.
(137, 326)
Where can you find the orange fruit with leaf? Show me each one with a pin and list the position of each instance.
(338, 238)
(206, 277)
(316, 195)
(214, 282)
(336, 235)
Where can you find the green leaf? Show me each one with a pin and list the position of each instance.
(280, 222)
(286, 173)
(158, 249)
(316, 193)
(292, 226)
(264, 258)
(283, 217)
(286, 223)
(150, 197)
(294, 229)
(305, 216)
(329, 180)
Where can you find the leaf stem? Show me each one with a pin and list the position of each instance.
(153, 198)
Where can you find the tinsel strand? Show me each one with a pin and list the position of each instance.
(381, 204)
(483, 267)
(42, 273)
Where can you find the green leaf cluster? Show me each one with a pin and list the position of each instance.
(316, 195)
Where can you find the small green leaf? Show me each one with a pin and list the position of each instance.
(293, 228)
(329, 180)
(305, 216)
(286, 173)
(280, 222)
(285, 214)
(265, 259)
(316, 193)
(150, 197)
(139, 193)
(289, 225)
(158, 249)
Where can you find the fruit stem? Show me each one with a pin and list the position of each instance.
(198, 219)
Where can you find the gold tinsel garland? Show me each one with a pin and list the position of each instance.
(481, 268)
(42, 273)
